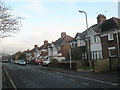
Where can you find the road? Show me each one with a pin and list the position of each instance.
(35, 76)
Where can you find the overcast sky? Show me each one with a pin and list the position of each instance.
(45, 20)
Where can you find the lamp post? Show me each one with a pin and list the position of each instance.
(85, 16)
(70, 57)
(87, 38)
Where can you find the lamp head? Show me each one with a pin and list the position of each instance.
(81, 11)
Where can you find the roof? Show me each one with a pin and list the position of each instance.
(66, 39)
(112, 23)
(79, 34)
(44, 46)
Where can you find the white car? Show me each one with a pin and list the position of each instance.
(46, 61)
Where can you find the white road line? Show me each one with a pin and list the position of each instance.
(85, 83)
(10, 78)
(92, 79)
(4, 80)
(50, 73)
(72, 80)
(61, 76)
(42, 71)
(58, 72)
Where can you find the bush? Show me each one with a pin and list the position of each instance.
(53, 61)
(85, 68)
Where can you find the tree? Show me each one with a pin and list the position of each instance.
(8, 22)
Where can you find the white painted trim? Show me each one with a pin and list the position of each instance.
(108, 32)
(111, 48)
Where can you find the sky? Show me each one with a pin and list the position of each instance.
(46, 19)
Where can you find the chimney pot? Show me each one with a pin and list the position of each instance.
(46, 42)
(63, 34)
(101, 18)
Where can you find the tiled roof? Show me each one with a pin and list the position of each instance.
(110, 24)
(66, 39)
(44, 46)
(81, 35)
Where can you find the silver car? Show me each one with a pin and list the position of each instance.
(22, 62)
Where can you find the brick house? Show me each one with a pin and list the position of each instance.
(110, 37)
(44, 49)
(103, 38)
(60, 48)
(35, 53)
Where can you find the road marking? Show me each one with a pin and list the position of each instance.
(114, 84)
(72, 80)
(4, 80)
(10, 78)
(61, 76)
(50, 73)
(58, 72)
(85, 83)
(42, 71)
(92, 79)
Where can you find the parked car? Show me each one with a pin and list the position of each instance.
(22, 62)
(46, 61)
(16, 61)
(5, 60)
(39, 61)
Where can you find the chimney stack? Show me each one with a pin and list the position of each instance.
(63, 34)
(101, 18)
(36, 46)
(45, 42)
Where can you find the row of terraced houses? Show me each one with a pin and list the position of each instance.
(98, 43)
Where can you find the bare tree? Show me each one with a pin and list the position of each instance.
(8, 22)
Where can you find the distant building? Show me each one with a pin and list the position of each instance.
(60, 48)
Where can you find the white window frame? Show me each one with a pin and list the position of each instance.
(78, 43)
(83, 55)
(110, 37)
(96, 54)
(73, 44)
(96, 39)
(82, 43)
(111, 48)
(59, 47)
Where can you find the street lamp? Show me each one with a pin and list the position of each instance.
(88, 38)
(85, 16)
(70, 57)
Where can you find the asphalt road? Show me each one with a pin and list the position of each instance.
(35, 76)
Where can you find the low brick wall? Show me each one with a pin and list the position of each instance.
(101, 65)
(114, 63)
(66, 64)
(105, 64)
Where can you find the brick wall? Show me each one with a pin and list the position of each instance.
(104, 65)
(65, 50)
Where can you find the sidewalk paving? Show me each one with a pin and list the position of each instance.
(103, 76)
